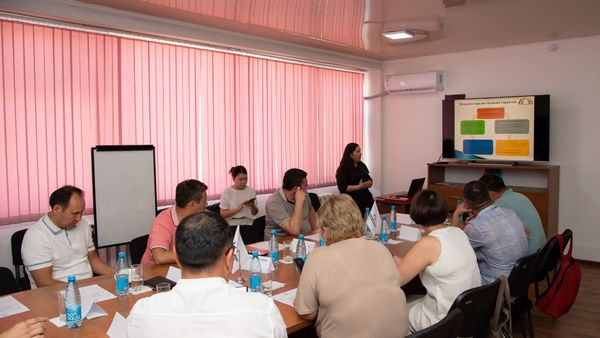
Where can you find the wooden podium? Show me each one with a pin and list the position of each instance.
(545, 199)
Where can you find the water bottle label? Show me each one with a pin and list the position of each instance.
(122, 282)
(393, 225)
(73, 313)
(383, 236)
(275, 256)
(255, 283)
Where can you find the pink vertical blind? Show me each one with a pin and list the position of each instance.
(63, 92)
(340, 21)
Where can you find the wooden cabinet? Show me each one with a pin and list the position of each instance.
(448, 180)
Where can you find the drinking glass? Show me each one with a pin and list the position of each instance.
(287, 251)
(163, 287)
(136, 277)
(61, 305)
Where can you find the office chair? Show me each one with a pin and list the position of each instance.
(216, 208)
(477, 306)
(16, 240)
(521, 276)
(8, 283)
(445, 328)
(137, 247)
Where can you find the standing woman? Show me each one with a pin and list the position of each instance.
(238, 202)
(353, 178)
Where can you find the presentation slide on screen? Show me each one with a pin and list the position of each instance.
(494, 129)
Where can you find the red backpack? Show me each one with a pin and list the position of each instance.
(561, 294)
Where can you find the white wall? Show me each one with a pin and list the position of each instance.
(570, 74)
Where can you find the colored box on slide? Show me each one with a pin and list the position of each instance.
(515, 126)
(512, 147)
(490, 113)
(478, 147)
(472, 127)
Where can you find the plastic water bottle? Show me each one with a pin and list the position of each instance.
(301, 248)
(366, 230)
(72, 304)
(385, 230)
(122, 277)
(393, 220)
(255, 273)
(461, 217)
(274, 248)
(321, 240)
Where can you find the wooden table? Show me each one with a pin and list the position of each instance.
(385, 203)
(43, 301)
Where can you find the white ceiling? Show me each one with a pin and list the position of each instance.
(466, 24)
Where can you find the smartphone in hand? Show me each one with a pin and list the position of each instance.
(250, 201)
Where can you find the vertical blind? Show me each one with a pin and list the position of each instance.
(64, 91)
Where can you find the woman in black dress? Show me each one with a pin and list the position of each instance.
(353, 178)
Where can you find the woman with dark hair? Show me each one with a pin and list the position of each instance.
(443, 259)
(238, 202)
(352, 177)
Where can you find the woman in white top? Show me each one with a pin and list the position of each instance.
(238, 202)
(443, 259)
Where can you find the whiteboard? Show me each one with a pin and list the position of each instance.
(124, 185)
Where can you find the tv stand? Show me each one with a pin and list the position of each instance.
(545, 199)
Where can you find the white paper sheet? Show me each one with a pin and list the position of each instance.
(394, 241)
(264, 246)
(286, 297)
(90, 296)
(409, 233)
(174, 274)
(313, 237)
(10, 306)
(143, 289)
(404, 219)
(240, 250)
(56, 321)
(275, 285)
(118, 327)
(374, 219)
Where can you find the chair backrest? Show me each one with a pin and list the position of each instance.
(477, 306)
(445, 328)
(216, 208)
(314, 200)
(16, 240)
(523, 274)
(8, 283)
(137, 247)
(550, 255)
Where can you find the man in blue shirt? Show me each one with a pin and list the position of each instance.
(496, 234)
(506, 198)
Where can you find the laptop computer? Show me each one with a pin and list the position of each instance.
(415, 186)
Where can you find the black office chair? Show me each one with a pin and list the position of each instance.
(445, 328)
(549, 262)
(16, 240)
(314, 201)
(477, 306)
(137, 247)
(8, 283)
(216, 208)
(521, 276)
(254, 233)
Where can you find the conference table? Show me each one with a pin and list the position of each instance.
(43, 301)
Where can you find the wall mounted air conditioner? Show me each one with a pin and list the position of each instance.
(415, 83)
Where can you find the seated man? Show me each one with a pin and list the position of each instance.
(521, 205)
(190, 197)
(288, 210)
(496, 234)
(60, 243)
(202, 303)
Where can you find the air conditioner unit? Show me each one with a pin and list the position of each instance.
(415, 83)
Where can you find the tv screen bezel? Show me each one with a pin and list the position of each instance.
(541, 133)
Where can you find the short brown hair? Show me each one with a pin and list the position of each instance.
(428, 208)
(340, 215)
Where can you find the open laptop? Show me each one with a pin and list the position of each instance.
(415, 186)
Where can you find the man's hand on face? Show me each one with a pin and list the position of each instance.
(299, 195)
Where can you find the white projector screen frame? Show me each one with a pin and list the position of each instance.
(124, 184)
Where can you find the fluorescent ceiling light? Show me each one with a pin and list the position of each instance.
(398, 35)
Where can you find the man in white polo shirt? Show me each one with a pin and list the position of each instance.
(60, 243)
(203, 304)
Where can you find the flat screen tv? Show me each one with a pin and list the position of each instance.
(511, 129)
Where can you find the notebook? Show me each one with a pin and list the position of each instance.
(415, 186)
